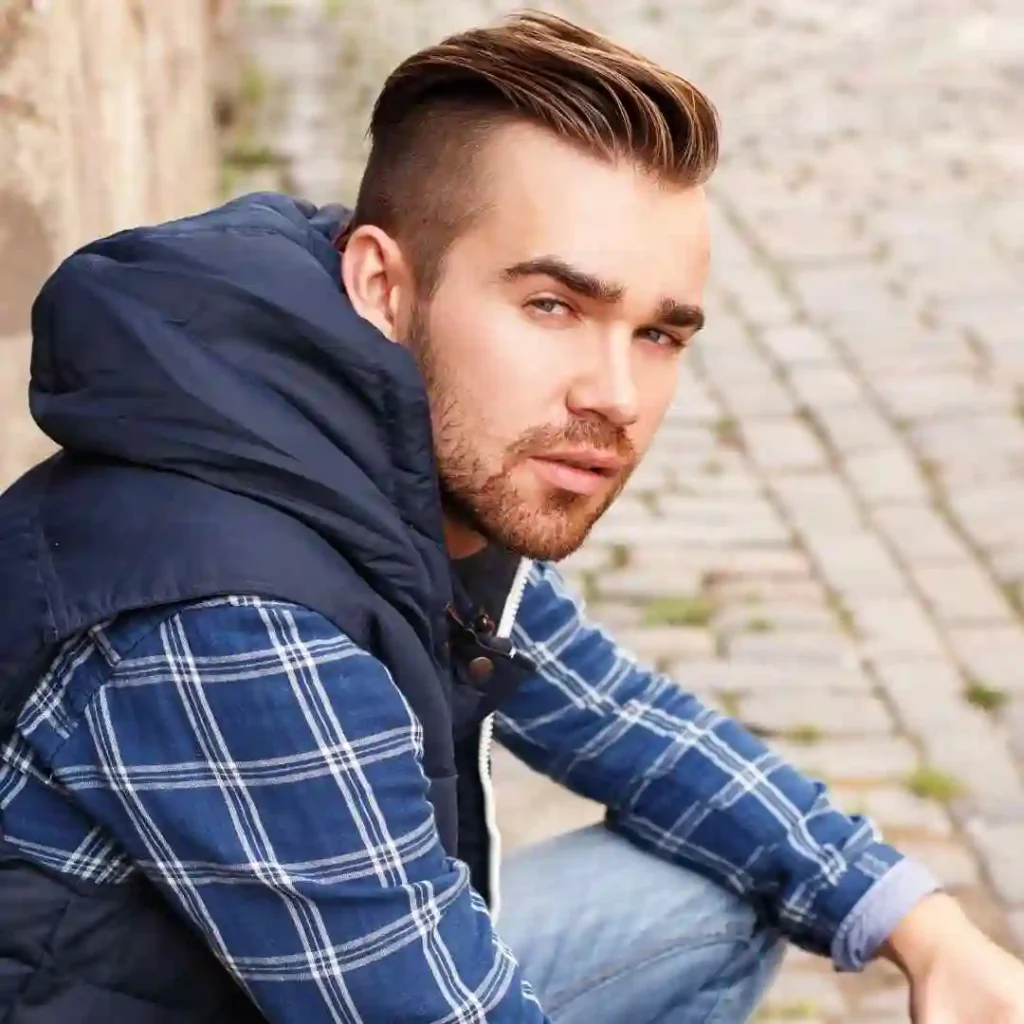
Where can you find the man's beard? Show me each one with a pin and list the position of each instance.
(488, 503)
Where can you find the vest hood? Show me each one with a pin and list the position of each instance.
(222, 347)
(221, 352)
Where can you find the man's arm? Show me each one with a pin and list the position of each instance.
(265, 773)
(695, 787)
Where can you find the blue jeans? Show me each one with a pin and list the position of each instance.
(608, 934)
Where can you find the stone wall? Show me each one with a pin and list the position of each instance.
(105, 121)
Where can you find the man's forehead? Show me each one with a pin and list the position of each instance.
(541, 196)
(543, 181)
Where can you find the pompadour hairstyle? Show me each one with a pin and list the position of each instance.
(438, 107)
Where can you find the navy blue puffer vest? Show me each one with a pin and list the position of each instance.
(228, 424)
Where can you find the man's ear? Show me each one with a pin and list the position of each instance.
(376, 278)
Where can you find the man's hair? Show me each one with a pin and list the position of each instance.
(439, 106)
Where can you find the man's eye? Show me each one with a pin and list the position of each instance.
(549, 306)
(661, 338)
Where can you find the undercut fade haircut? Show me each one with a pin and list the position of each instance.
(438, 107)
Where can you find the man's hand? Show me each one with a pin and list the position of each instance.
(957, 974)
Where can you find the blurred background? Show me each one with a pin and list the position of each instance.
(826, 539)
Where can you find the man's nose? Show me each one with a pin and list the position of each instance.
(606, 384)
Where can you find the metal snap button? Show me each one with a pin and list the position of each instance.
(480, 669)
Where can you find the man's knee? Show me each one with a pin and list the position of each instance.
(596, 920)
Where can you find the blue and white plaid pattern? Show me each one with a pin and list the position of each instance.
(265, 773)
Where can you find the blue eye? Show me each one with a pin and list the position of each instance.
(548, 305)
(661, 339)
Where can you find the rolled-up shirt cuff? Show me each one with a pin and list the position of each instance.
(875, 916)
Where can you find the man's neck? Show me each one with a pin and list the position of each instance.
(460, 540)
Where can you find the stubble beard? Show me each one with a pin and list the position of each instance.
(489, 503)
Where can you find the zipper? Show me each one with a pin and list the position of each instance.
(504, 630)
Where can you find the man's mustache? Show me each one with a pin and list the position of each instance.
(592, 435)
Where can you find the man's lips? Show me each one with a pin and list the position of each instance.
(583, 473)
(606, 463)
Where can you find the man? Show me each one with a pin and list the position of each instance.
(257, 618)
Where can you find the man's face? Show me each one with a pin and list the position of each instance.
(551, 346)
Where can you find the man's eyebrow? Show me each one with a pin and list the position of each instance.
(590, 286)
(680, 314)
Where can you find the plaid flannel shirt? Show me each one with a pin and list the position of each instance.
(265, 773)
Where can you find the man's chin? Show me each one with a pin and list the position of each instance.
(543, 526)
(547, 537)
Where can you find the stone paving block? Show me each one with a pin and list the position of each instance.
(920, 534)
(730, 478)
(834, 293)
(798, 343)
(657, 644)
(726, 356)
(811, 716)
(994, 655)
(692, 408)
(720, 567)
(921, 677)
(988, 433)
(652, 474)
(967, 471)
(885, 1006)
(781, 446)
(886, 478)
(888, 626)
(614, 615)
(532, 808)
(676, 437)
(1006, 561)
(807, 238)
(992, 511)
(965, 747)
(588, 558)
(804, 991)
(762, 301)
(738, 675)
(770, 616)
(854, 563)
(895, 810)
(927, 707)
(1001, 847)
(852, 760)
(945, 394)
(961, 593)
(640, 585)
(734, 531)
(856, 429)
(750, 508)
(633, 508)
(793, 646)
(819, 499)
(754, 591)
(980, 765)
(919, 350)
(761, 397)
(954, 865)
(655, 530)
(788, 564)
(819, 387)
(776, 571)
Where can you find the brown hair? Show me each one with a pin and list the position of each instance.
(438, 107)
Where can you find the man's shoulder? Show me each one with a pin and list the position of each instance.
(232, 634)
(228, 625)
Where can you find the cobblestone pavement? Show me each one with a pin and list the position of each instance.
(825, 540)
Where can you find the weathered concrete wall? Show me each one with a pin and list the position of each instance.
(105, 121)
